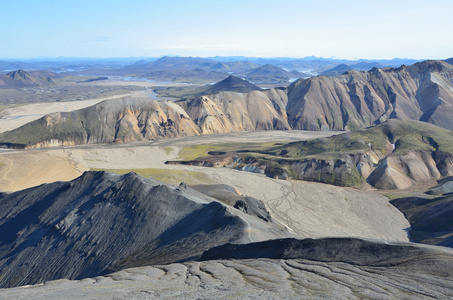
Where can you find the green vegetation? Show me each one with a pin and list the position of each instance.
(167, 150)
(167, 175)
(198, 151)
(340, 150)
(407, 135)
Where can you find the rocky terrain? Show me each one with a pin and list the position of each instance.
(394, 155)
(102, 222)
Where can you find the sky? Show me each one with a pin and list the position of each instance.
(347, 29)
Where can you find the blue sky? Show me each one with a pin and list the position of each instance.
(345, 29)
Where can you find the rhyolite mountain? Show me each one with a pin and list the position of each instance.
(357, 99)
(422, 91)
(103, 222)
(121, 120)
(393, 155)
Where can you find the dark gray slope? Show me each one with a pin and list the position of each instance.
(102, 222)
(431, 219)
(354, 269)
(231, 84)
(348, 250)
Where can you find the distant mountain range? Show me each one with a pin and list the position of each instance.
(361, 66)
(200, 70)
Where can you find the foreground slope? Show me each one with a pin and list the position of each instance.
(355, 270)
(101, 222)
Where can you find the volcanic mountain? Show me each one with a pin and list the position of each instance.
(21, 79)
(231, 84)
(102, 222)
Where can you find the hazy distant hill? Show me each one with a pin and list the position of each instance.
(21, 79)
(336, 71)
(234, 67)
(271, 73)
(185, 75)
(168, 62)
(366, 66)
(450, 61)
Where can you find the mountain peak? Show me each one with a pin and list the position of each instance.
(18, 74)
